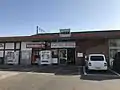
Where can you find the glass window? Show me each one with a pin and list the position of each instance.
(114, 43)
(97, 58)
(17, 45)
(113, 52)
(9, 46)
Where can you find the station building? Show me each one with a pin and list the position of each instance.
(65, 47)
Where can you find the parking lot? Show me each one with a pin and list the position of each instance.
(109, 73)
(57, 78)
(60, 70)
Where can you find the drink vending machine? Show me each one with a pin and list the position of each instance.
(45, 57)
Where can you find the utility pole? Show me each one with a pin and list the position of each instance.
(37, 30)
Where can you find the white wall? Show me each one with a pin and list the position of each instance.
(9, 46)
(1, 53)
(23, 46)
(17, 45)
(25, 54)
(25, 57)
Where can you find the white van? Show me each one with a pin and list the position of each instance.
(96, 62)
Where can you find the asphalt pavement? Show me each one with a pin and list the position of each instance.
(56, 78)
(100, 72)
(38, 81)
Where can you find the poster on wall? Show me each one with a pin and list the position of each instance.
(79, 54)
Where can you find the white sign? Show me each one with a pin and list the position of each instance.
(65, 35)
(63, 45)
(79, 54)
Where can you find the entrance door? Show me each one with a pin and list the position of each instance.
(63, 56)
(71, 56)
(35, 57)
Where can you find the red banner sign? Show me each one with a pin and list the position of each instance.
(35, 45)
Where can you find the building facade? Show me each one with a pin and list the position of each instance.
(65, 48)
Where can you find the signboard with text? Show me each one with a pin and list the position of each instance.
(35, 45)
(65, 33)
(63, 45)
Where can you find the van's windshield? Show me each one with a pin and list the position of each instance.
(97, 58)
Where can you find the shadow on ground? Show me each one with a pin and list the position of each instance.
(98, 78)
(58, 70)
(98, 75)
(55, 69)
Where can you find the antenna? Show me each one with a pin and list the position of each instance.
(41, 30)
(38, 29)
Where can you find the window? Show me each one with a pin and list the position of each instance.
(114, 43)
(97, 58)
(17, 45)
(9, 46)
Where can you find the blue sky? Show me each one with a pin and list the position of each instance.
(20, 17)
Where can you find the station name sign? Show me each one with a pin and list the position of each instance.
(65, 33)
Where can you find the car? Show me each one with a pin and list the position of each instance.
(96, 62)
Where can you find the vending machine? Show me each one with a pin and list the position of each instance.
(12, 57)
(45, 57)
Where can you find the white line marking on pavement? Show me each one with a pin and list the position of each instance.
(102, 75)
(114, 72)
(40, 73)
